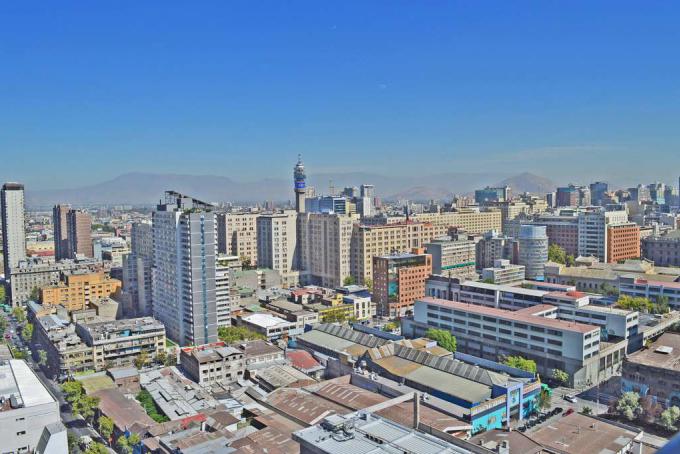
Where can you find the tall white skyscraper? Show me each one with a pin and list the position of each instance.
(13, 229)
(183, 282)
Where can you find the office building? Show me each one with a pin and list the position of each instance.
(398, 280)
(470, 220)
(13, 229)
(533, 250)
(453, 255)
(623, 242)
(650, 289)
(325, 248)
(271, 326)
(504, 273)
(592, 230)
(573, 196)
(183, 282)
(213, 364)
(328, 204)
(119, 342)
(657, 191)
(372, 240)
(27, 409)
(597, 192)
(137, 270)
(495, 246)
(237, 235)
(77, 290)
(79, 225)
(489, 194)
(663, 250)
(225, 267)
(561, 229)
(277, 244)
(60, 225)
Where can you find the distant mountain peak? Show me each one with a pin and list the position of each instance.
(528, 182)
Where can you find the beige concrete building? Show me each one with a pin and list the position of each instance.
(325, 239)
(78, 290)
(277, 245)
(79, 224)
(469, 219)
(378, 240)
(237, 235)
(213, 364)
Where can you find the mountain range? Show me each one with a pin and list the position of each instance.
(147, 188)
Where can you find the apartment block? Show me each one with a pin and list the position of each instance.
(13, 230)
(60, 226)
(119, 342)
(470, 220)
(213, 364)
(494, 246)
(277, 244)
(325, 240)
(650, 289)
(225, 268)
(592, 230)
(237, 235)
(399, 280)
(137, 270)
(79, 225)
(663, 250)
(78, 290)
(375, 240)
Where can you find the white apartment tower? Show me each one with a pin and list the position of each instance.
(13, 229)
(592, 230)
(137, 269)
(183, 282)
(277, 246)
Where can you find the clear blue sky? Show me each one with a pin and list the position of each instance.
(571, 90)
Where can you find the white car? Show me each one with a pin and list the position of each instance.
(571, 399)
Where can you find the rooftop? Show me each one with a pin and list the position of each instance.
(259, 347)
(363, 433)
(280, 375)
(577, 433)
(513, 315)
(20, 386)
(264, 320)
(125, 413)
(663, 353)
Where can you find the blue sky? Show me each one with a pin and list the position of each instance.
(571, 90)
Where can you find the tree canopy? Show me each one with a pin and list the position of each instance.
(669, 418)
(557, 254)
(629, 406)
(443, 337)
(519, 362)
(233, 334)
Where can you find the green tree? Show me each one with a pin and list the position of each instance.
(42, 354)
(3, 325)
(628, 405)
(390, 326)
(97, 448)
(73, 447)
(649, 409)
(85, 406)
(123, 445)
(35, 294)
(443, 337)
(161, 356)
(105, 427)
(661, 306)
(609, 289)
(669, 418)
(27, 332)
(369, 284)
(2, 294)
(587, 411)
(334, 317)
(557, 254)
(518, 362)
(171, 359)
(19, 313)
(245, 262)
(73, 390)
(570, 260)
(145, 400)
(349, 280)
(634, 303)
(141, 359)
(233, 334)
(560, 376)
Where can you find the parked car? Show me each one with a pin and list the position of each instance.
(570, 398)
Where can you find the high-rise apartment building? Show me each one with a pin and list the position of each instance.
(494, 246)
(533, 250)
(183, 283)
(224, 269)
(399, 280)
(79, 289)
(277, 244)
(13, 228)
(237, 235)
(79, 224)
(137, 268)
(60, 225)
(455, 256)
(325, 247)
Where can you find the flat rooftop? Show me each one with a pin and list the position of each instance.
(663, 353)
(577, 433)
(513, 315)
(19, 383)
(265, 320)
(504, 288)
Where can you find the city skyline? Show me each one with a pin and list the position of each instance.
(502, 87)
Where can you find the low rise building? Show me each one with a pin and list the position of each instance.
(270, 326)
(655, 371)
(651, 289)
(213, 364)
(504, 273)
(259, 354)
(66, 351)
(119, 342)
(663, 250)
(453, 255)
(26, 407)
